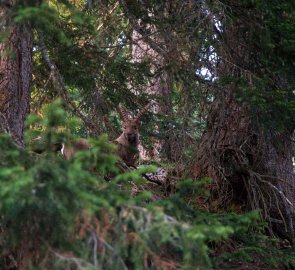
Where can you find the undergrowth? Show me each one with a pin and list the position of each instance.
(60, 214)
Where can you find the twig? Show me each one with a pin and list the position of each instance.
(79, 262)
(94, 249)
(89, 229)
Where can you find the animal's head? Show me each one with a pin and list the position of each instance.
(130, 126)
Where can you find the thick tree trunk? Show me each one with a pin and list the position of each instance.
(15, 76)
(249, 165)
(163, 35)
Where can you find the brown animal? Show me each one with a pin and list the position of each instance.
(127, 142)
(68, 151)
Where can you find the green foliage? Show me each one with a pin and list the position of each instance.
(43, 18)
(59, 214)
(266, 251)
(69, 213)
(267, 29)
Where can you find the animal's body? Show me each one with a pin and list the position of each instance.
(127, 142)
(128, 153)
(69, 150)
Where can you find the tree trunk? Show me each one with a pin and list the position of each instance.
(163, 35)
(15, 76)
(249, 166)
(159, 86)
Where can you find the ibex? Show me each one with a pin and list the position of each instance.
(127, 142)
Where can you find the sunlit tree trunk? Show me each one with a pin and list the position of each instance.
(15, 75)
(163, 35)
(159, 86)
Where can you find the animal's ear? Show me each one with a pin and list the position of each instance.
(123, 113)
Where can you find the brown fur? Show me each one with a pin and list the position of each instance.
(127, 142)
(69, 150)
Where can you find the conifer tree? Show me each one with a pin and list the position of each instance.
(247, 144)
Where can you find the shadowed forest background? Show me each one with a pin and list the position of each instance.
(211, 84)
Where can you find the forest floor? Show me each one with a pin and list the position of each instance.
(230, 246)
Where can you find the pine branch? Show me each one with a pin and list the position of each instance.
(59, 83)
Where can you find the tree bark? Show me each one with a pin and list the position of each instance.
(163, 35)
(249, 166)
(15, 75)
(159, 86)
